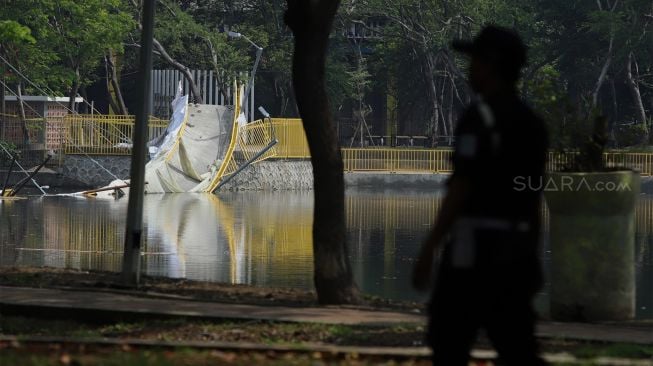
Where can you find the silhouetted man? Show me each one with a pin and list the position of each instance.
(489, 271)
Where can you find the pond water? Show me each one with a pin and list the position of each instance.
(256, 238)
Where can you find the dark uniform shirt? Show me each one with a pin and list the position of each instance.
(504, 158)
(501, 148)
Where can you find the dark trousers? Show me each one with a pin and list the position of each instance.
(464, 301)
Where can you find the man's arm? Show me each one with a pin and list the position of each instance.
(452, 206)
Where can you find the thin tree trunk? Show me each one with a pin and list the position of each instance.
(281, 92)
(615, 111)
(650, 133)
(353, 137)
(115, 84)
(195, 91)
(430, 76)
(445, 130)
(450, 112)
(615, 106)
(73, 91)
(310, 22)
(454, 70)
(3, 109)
(21, 111)
(223, 84)
(85, 107)
(196, 96)
(602, 75)
(634, 91)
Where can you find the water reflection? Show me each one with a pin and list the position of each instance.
(253, 237)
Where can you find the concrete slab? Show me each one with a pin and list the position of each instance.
(36, 300)
(96, 305)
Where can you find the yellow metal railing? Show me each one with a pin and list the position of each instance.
(104, 134)
(642, 162)
(292, 145)
(397, 160)
(254, 137)
(229, 165)
(292, 139)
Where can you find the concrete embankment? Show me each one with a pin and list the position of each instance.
(282, 175)
(273, 175)
(270, 175)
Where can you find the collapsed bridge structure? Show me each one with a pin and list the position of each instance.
(204, 146)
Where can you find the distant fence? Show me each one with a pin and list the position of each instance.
(395, 160)
(166, 82)
(642, 162)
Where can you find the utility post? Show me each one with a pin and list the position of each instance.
(3, 109)
(133, 236)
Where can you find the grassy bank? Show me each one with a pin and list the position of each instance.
(71, 341)
(303, 335)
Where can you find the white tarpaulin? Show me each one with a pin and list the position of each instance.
(191, 150)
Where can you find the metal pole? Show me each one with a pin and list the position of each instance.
(131, 258)
(3, 109)
(250, 83)
(246, 164)
(21, 184)
(21, 168)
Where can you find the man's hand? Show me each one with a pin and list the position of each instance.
(452, 205)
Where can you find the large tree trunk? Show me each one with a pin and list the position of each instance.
(310, 22)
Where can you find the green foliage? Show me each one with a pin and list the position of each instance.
(68, 38)
(340, 86)
(567, 129)
(12, 32)
(630, 135)
(61, 43)
(9, 147)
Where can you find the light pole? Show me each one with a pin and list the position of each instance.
(250, 83)
(133, 234)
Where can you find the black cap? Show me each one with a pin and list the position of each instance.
(499, 46)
